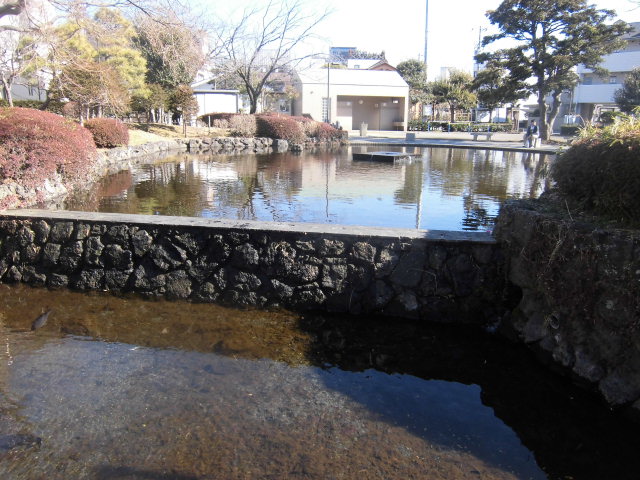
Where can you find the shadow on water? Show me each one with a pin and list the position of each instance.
(201, 391)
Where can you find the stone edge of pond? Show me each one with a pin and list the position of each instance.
(297, 227)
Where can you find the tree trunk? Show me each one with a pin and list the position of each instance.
(555, 108)
(7, 91)
(544, 126)
(452, 111)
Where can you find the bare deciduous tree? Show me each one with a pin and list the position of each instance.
(263, 41)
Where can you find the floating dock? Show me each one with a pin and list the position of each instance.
(382, 156)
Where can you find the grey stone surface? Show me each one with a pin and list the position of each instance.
(301, 266)
(580, 296)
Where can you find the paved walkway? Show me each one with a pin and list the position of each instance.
(499, 141)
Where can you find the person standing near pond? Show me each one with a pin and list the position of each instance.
(531, 136)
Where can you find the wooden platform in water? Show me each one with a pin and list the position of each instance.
(381, 156)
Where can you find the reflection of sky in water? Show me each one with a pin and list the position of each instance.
(98, 402)
(453, 189)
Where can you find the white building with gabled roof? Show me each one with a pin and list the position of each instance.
(351, 97)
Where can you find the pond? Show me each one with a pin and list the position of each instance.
(124, 388)
(441, 188)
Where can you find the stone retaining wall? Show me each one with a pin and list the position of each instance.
(442, 276)
(580, 306)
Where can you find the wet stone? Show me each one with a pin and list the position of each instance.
(381, 293)
(245, 256)
(89, 280)
(141, 241)
(283, 291)
(25, 236)
(303, 273)
(93, 251)
(387, 260)
(329, 248)
(207, 292)
(118, 234)
(56, 280)
(33, 277)
(359, 277)
(483, 254)
(70, 257)
(9, 226)
(363, 252)
(251, 281)
(333, 277)
(189, 242)
(41, 230)
(82, 231)
(409, 269)
(307, 297)
(437, 257)
(29, 254)
(116, 279)
(13, 275)
(61, 232)
(237, 238)
(168, 256)
(115, 256)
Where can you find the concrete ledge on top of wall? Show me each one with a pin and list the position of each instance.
(434, 275)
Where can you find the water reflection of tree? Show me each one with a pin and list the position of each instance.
(476, 216)
(171, 189)
(411, 190)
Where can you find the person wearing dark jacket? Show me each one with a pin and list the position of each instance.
(531, 136)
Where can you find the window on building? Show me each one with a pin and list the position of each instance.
(587, 81)
(613, 79)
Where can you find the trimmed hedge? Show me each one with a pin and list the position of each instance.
(36, 145)
(600, 172)
(243, 126)
(280, 127)
(108, 132)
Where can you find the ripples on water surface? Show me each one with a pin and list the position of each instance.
(448, 189)
(122, 388)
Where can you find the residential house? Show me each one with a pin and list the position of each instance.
(594, 94)
(379, 98)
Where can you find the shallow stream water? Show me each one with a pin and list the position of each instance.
(125, 388)
(440, 188)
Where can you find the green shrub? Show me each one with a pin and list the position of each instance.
(36, 145)
(108, 132)
(281, 127)
(601, 170)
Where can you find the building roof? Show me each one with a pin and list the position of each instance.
(379, 78)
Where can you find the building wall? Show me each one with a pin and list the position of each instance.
(380, 117)
(216, 102)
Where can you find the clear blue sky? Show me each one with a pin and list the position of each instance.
(398, 26)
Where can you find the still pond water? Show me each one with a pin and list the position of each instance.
(125, 388)
(442, 188)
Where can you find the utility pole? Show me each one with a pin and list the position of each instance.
(426, 39)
